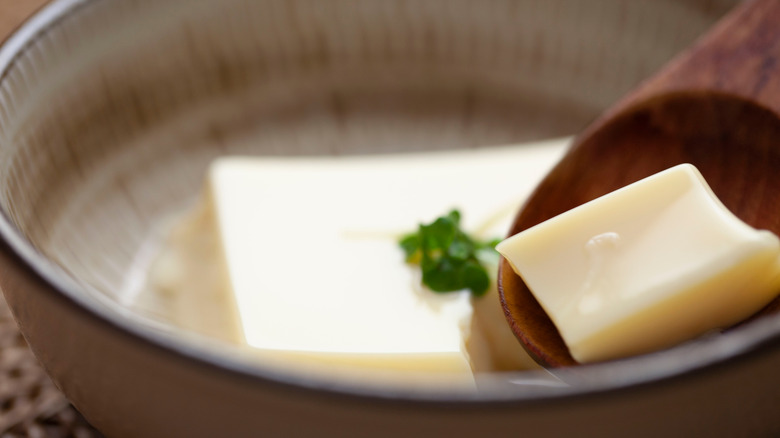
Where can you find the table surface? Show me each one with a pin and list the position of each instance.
(14, 12)
(30, 404)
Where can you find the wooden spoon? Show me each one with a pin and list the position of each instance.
(717, 106)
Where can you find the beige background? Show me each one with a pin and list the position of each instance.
(13, 12)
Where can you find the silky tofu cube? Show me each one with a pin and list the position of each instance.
(646, 267)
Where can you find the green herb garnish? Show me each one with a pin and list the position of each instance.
(450, 260)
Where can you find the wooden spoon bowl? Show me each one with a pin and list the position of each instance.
(717, 106)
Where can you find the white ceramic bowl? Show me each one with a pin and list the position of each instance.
(111, 110)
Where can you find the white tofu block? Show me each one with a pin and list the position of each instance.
(645, 267)
(310, 247)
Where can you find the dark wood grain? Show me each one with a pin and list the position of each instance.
(716, 106)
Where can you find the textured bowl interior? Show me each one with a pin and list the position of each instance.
(109, 118)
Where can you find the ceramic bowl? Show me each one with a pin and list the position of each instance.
(110, 112)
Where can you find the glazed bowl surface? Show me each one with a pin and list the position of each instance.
(110, 112)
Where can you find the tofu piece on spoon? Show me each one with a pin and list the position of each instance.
(646, 267)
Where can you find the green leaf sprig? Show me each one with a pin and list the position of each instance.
(450, 260)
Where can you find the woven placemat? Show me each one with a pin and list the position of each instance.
(30, 404)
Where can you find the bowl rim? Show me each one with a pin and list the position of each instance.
(745, 343)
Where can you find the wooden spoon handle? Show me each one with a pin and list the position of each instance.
(739, 56)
